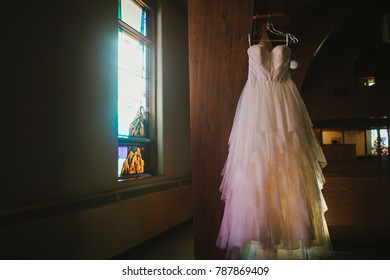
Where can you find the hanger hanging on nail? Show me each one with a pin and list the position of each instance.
(289, 38)
(260, 28)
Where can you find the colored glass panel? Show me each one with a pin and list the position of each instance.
(379, 142)
(132, 161)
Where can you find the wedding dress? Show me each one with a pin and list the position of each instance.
(272, 178)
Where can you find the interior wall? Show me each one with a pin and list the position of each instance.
(61, 143)
(356, 102)
(61, 101)
(218, 71)
(356, 137)
(174, 92)
(358, 201)
(313, 31)
(330, 87)
(98, 233)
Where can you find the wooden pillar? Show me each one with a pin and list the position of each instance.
(218, 45)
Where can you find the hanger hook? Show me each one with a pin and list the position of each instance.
(268, 23)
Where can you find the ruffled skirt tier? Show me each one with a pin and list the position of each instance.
(272, 179)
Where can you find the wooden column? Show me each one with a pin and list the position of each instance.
(218, 71)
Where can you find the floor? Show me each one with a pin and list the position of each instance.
(177, 244)
(349, 243)
(174, 244)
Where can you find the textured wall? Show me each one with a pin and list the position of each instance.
(218, 70)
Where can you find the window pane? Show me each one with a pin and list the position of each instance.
(333, 136)
(379, 142)
(132, 161)
(134, 15)
(133, 86)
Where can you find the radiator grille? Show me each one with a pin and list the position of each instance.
(20, 217)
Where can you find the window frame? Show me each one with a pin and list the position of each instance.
(150, 140)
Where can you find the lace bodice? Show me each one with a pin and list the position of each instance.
(269, 65)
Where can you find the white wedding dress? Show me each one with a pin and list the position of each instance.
(272, 179)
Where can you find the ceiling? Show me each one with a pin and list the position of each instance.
(356, 29)
(344, 28)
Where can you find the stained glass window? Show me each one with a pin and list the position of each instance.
(131, 161)
(379, 142)
(367, 81)
(135, 45)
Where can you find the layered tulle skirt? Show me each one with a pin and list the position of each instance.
(272, 179)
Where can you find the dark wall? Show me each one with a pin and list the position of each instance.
(335, 94)
(352, 49)
(60, 96)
